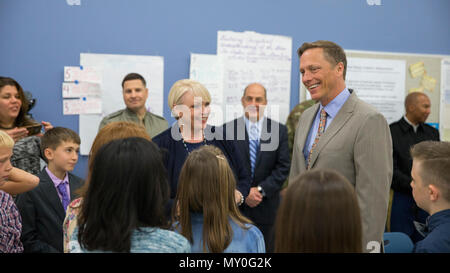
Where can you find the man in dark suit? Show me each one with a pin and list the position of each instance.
(43, 209)
(409, 130)
(264, 146)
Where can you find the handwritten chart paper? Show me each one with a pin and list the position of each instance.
(379, 82)
(444, 115)
(249, 57)
(208, 70)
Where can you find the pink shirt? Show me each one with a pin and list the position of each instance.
(57, 181)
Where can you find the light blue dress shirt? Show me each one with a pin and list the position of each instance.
(332, 109)
(248, 125)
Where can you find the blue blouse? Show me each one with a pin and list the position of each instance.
(175, 154)
(244, 240)
(144, 240)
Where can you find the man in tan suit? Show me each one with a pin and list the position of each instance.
(345, 134)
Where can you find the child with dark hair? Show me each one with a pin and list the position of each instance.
(43, 209)
(319, 214)
(123, 207)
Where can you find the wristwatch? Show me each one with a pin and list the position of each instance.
(261, 191)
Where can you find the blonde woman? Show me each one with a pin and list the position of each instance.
(189, 101)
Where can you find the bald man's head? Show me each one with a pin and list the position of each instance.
(254, 101)
(417, 107)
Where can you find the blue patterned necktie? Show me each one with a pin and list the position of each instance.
(65, 196)
(254, 146)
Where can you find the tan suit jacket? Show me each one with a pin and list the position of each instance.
(357, 144)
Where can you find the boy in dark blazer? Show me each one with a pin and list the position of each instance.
(43, 208)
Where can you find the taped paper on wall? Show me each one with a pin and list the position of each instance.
(80, 89)
(417, 69)
(82, 74)
(86, 105)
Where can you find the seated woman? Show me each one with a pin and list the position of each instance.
(10, 220)
(319, 214)
(110, 132)
(123, 208)
(189, 101)
(15, 122)
(206, 212)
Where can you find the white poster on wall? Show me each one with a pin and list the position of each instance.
(379, 82)
(114, 68)
(208, 70)
(253, 57)
(444, 124)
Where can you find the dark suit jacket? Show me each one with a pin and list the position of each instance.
(271, 166)
(43, 215)
(403, 137)
(175, 155)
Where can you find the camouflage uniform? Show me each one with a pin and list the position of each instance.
(153, 124)
(292, 122)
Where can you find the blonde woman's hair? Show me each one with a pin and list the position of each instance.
(206, 185)
(180, 87)
(6, 140)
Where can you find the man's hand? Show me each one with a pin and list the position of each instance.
(254, 197)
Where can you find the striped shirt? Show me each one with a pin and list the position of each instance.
(10, 225)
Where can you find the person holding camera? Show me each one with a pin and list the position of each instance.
(25, 131)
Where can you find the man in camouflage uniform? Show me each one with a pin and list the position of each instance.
(291, 125)
(135, 94)
(292, 120)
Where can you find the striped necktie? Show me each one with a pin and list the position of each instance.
(321, 129)
(253, 146)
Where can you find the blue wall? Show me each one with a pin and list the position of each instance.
(39, 37)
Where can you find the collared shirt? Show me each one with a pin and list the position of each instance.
(153, 124)
(10, 225)
(57, 181)
(410, 123)
(249, 124)
(332, 109)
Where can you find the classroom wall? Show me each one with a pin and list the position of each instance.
(39, 37)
